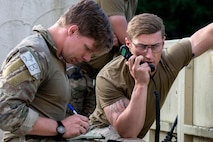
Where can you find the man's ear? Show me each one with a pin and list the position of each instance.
(127, 41)
(164, 38)
(72, 29)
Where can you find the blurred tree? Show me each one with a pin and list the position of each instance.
(181, 17)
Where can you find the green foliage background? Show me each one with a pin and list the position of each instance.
(181, 17)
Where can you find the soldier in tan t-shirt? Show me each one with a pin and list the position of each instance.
(125, 96)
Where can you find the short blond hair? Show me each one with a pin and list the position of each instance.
(145, 23)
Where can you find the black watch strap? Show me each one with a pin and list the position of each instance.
(60, 130)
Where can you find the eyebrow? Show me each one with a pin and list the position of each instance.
(89, 48)
(147, 44)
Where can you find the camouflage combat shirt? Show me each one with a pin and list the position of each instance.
(32, 83)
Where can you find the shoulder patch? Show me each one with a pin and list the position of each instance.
(30, 63)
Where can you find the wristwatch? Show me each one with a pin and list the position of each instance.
(60, 130)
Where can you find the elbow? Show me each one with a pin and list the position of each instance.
(129, 136)
(127, 133)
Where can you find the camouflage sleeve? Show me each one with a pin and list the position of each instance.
(21, 74)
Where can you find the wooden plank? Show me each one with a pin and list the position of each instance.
(198, 131)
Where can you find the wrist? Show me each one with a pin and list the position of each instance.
(140, 90)
(141, 86)
(60, 129)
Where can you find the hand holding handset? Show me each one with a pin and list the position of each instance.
(124, 50)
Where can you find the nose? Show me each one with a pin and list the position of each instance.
(149, 53)
(87, 57)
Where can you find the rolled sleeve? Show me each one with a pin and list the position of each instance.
(27, 126)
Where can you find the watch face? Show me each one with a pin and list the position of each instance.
(60, 129)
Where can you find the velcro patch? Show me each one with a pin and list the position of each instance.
(19, 78)
(13, 67)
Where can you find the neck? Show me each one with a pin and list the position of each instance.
(57, 34)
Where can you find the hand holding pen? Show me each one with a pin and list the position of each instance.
(75, 124)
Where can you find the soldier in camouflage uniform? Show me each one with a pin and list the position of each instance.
(34, 87)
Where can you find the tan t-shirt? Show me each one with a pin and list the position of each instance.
(126, 8)
(115, 82)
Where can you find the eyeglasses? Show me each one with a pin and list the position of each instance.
(156, 48)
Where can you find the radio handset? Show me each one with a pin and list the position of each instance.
(124, 50)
